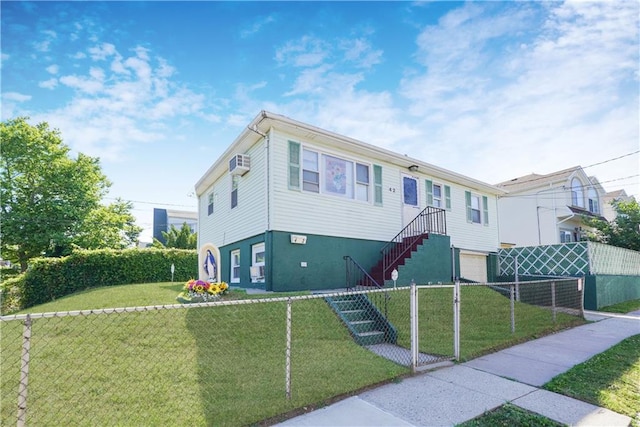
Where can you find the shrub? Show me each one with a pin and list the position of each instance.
(11, 294)
(51, 278)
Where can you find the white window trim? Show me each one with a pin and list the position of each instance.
(210, 202)
(232, 277)
(257, 268)
(322, 171)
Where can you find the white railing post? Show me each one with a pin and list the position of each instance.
(24, 373)
(414, 326)
(288, 353)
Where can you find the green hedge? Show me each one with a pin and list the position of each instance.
(51, 278)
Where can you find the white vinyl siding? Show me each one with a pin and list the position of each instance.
(330, 213)
(249, 217)
(297, 211)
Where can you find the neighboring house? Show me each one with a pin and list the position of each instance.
(548, 209)
(614, 196)
(163, 219)
(287, 201)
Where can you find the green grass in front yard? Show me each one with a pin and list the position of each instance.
(623, 307)
(485, 320)
(195, 366)
(138, 295)
(610, 379)
(510, 416)
(223, 365)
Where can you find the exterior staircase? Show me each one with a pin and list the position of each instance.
(366, 324)
(403, 251)
(430, 221)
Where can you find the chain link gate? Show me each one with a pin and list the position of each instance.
(145, 365)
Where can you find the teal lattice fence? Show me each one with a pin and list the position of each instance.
(570, 259)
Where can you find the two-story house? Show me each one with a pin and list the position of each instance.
(608, 210)
(287, 202)
(548, 209)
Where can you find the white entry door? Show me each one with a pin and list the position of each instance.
(410, 198)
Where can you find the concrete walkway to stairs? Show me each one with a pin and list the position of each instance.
(454, 394)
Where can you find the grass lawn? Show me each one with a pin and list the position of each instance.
(610, 380)
(191, 366)
(623, 307)
(221, 365)
(485, 321)
(510, 416)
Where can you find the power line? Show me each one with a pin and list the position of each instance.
(561, 190)
(506, 184)
(150, 203)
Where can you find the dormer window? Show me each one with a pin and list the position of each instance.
(577, 195)
(594, 203)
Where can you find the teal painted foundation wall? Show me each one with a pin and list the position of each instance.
(324, 257)
(603, 290)
(430, 263)
(325, 266)
(245, 261)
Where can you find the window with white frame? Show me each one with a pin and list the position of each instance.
(310, 171)
(577, 195)
(566, 236)
(327, 174)
(477, 208)
(257, 262)
(362, 182)
(235, 266)
(210, 203)
(234, 191)
(594, 203)
(438, 195)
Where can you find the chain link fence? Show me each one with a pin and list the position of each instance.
(240, 362)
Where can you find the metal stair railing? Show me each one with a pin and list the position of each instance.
(430, 220)
(359, 279)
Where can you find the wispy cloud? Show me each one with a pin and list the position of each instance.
(544, 98)
(257, 26)
(121, 100)
(44, 45)
(15, 96)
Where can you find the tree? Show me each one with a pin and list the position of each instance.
(179, 239)
(45, 195)
(111, 226)
(624, 231)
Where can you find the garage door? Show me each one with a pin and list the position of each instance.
(473, 266)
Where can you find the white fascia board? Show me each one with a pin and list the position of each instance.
(241, 144)
(265, 121)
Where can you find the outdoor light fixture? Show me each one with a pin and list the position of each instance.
(413, 168)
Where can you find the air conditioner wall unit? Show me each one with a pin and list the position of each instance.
(239, 164)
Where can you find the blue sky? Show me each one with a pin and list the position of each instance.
(492, 90)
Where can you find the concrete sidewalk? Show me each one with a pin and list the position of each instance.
(455, 394)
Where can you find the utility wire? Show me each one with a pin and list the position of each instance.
(562, 172)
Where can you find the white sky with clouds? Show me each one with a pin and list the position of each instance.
(492, 90)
